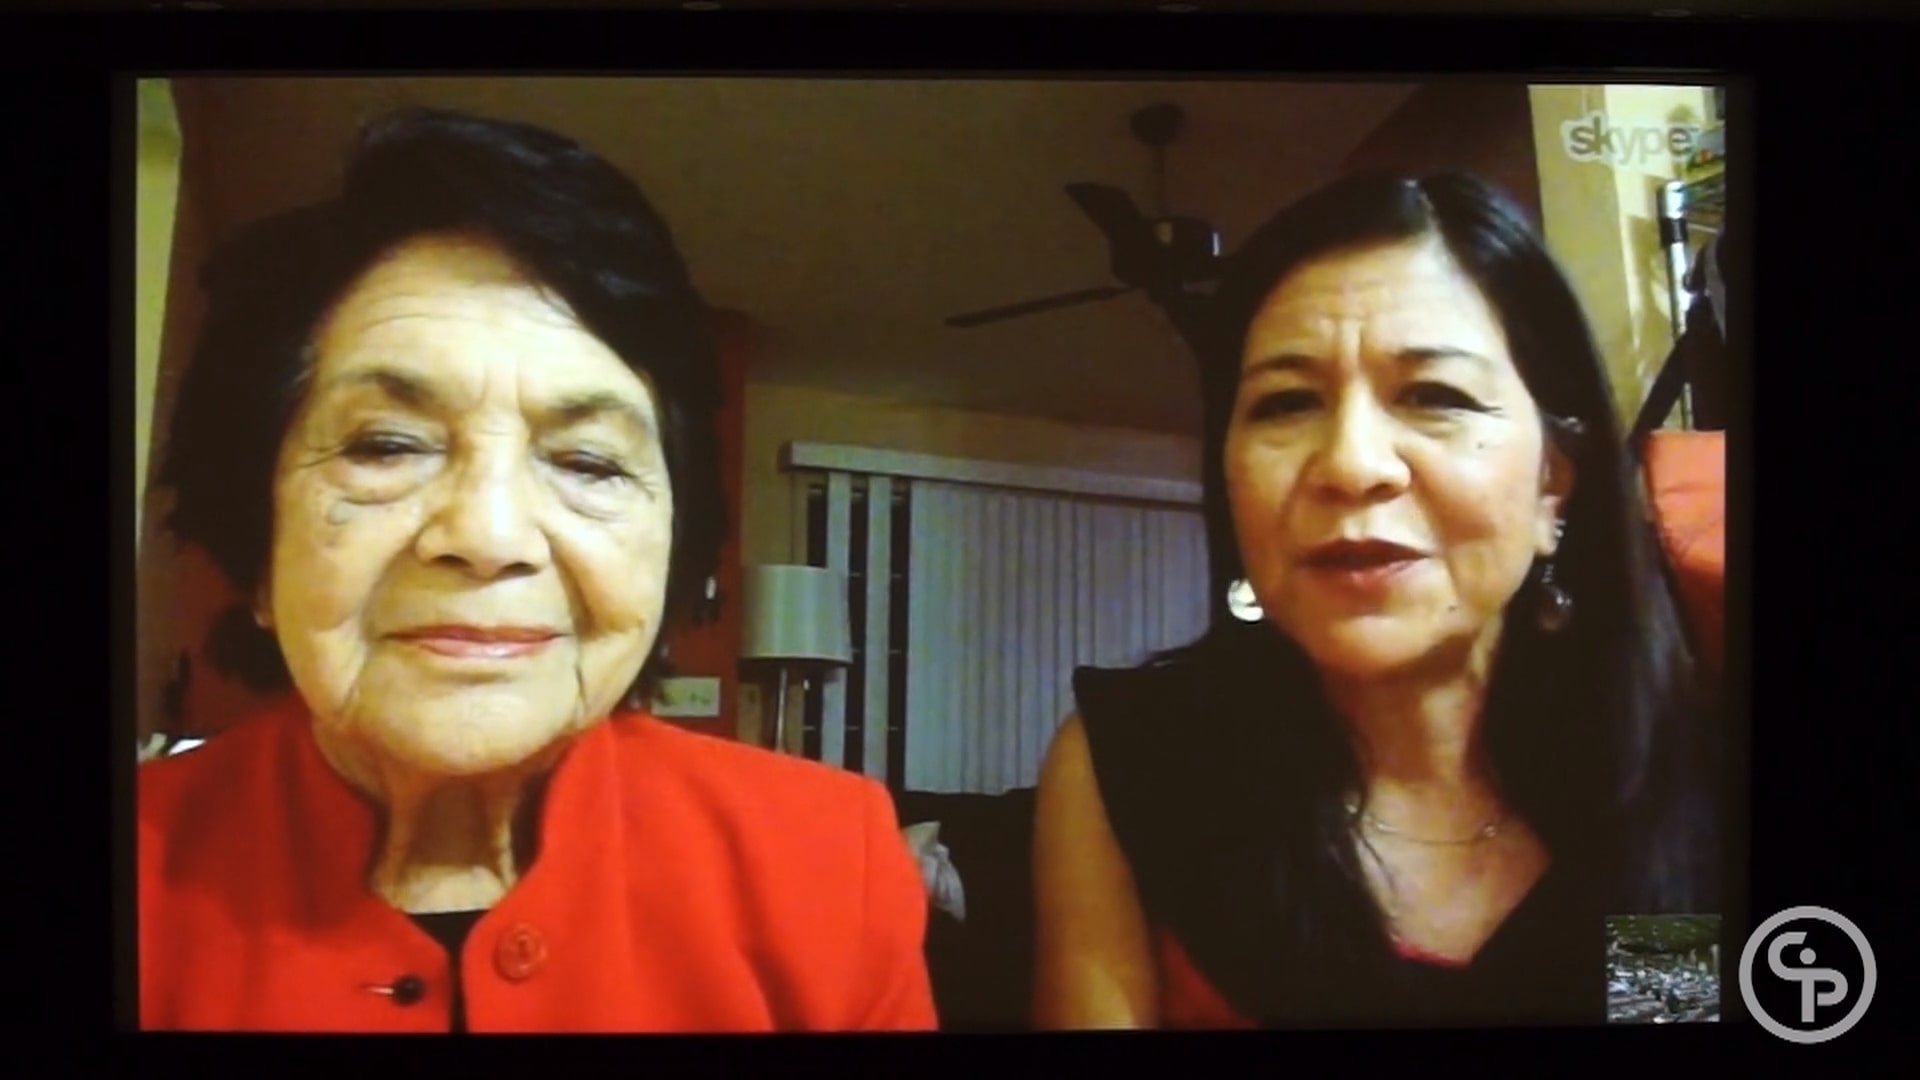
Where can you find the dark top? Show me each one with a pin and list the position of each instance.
(450, 929)
(1190, 792)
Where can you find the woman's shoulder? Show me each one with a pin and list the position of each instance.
(639, 732)
(1129, 718)
(727, 775)
(1128, 698)
(1154, 677)
(162, 785)
(1143, 734)
(771, 824)
(195, 810)
(804, 860)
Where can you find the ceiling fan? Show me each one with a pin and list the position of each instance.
(1173, 260)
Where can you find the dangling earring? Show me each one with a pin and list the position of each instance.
(1556, 606)
(1241, 603)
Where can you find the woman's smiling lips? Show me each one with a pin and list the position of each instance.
(479, 642)
(1365, 568)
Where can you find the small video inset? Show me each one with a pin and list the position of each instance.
(1663, 969)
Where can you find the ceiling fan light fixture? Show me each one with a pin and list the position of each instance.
(1158, 124)
(1170, 258)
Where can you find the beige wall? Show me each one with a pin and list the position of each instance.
(777, 415)
(156, 191)
(173, 587)
(1480, 127)
(1600, 219)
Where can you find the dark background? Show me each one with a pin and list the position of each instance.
(1819, 596)
(1768, 9)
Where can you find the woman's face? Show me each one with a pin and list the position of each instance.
(1387, 469)
(472, 518)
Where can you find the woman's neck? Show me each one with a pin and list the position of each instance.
(445, 843)
(1418, 734)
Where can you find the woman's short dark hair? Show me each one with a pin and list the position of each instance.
(575, 224)
(1599, 735)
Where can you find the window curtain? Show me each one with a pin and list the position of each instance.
(1008, 593)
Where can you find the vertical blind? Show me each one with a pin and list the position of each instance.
(1008, 592)
(857, 525)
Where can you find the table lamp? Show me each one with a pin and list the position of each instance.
(795, 621)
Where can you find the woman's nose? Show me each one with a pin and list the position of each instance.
(1359, 458)
(486, 525)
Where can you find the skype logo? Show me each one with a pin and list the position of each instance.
(1817, 986)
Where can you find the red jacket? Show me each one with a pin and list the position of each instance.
(683, 883)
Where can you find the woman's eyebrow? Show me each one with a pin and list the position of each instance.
(569, 410)
(1414, 356)
(1282, 362)
(1427, 354)
(575, 409)
(392, 382)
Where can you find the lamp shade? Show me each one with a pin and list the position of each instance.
(795, 613)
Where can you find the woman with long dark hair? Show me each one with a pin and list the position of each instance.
(1445, 720)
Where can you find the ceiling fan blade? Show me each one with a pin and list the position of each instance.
(1114, 212)
(1187, 313)
(1030, 307)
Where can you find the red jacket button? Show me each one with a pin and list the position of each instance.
(408, 989)
(520, 953)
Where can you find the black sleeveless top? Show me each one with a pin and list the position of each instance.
(1189, 795)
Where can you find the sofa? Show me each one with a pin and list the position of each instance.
(981, 966)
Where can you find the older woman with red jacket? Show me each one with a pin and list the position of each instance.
(452, 433)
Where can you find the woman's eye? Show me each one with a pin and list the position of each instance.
(590, 467)
(1437, 396)
(381, 447)
(1282, 403)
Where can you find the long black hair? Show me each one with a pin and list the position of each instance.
(576, 224)
(1599, 735)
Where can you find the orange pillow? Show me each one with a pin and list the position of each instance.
(1687, 480)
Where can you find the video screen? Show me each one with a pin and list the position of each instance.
(737, 554)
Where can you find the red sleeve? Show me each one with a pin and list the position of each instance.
(898, 995)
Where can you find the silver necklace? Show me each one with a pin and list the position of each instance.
(1481, 835)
